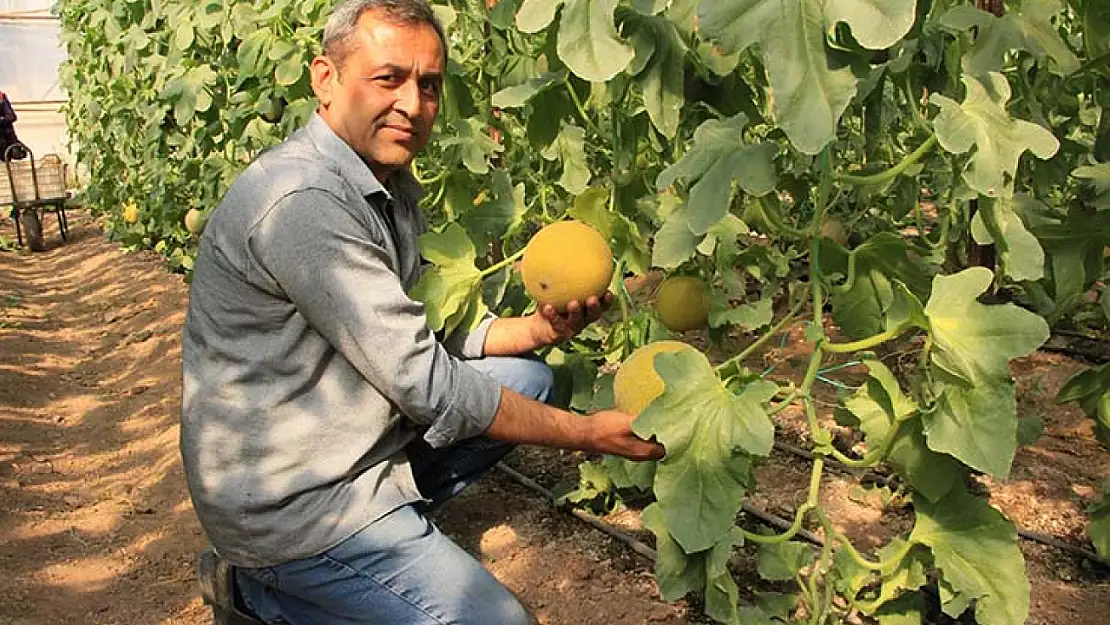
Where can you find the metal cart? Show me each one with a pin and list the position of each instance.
(33, 189)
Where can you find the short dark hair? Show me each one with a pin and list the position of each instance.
(339, 31)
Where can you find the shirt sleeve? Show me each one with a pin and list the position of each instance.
(329, 260)
(470, 344)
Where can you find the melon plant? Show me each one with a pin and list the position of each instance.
(963, 145)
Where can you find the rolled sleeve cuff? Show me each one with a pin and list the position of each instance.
(470, 344)
(476, 400)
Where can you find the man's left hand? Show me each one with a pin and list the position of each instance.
(549, 326)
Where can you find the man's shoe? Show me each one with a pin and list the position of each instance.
(217, 588)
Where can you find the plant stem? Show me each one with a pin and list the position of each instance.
(799, 515)
(867, 343)
(581, 109)
(857, 557)
(893, 172)
(784, 404)
(625, 300)
(749, 350)
(498, 266)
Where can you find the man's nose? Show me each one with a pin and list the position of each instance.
(408, 98)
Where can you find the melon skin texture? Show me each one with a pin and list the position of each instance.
(566, 261)
(682, 303)
(195, 221)
(637, 383)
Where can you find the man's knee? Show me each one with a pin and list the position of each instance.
(530, 377)
(540, 380)
(506, 610)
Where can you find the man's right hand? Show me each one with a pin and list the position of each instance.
(611, 433)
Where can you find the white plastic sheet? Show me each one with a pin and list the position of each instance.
(30, 54)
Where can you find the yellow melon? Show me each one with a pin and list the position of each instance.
(682, 303)
(130, 213)
(566, 261)
(637, 383)
(195, 221)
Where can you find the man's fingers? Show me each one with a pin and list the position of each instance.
(574, 315)
(548, 312)
(595, 307)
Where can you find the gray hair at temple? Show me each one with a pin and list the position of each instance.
(339, 41)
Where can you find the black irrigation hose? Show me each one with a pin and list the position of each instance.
(764, 516)
(1044, 539)
(628, 540)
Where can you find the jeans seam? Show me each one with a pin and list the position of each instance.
(384, 585)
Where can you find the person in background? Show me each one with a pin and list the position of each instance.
(7, 131)
(321, 419)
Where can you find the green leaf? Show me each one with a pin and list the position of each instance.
(501, 213)
(976, 550)
(628, 474)
(1027, 27)
(708, 432)
(871, 304)
(662, 78)
(930, 473)
(1020, 252)
(739, 24)
(747, 316)
(983, 122)
(975, 418)
(290, 70)
(474, 146)
(588, 41)
(876, 24)
(192, 93)
(574, 379)
(676, 573)
(722, 595)
(1099, 528)
(674, 243)
(535, 15)
(719, 156)
(1099, 177)
(1090, 388)
(569, 148)
(446, 288)
(908, 609)
(976, 342)
(811, 89)
(878, 405)
(780, 562)
(909, 573)
(519, 95)
(649, 7)
(592, 207)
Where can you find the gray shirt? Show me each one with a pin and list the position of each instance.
(306, 367)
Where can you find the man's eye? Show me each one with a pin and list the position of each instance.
(430, 87)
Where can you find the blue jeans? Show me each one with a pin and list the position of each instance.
(400, 569)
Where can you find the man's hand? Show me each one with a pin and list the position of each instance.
(549, 327)
(611, 433)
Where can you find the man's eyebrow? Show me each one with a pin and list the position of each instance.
(400, 69)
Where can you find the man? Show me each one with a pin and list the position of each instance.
(320, 417)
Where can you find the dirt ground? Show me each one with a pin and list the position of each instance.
(96, 526)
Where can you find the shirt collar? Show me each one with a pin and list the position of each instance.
(351, 166)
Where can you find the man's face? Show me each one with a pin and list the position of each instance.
(385, 97)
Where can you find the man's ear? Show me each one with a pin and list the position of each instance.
(324, 74)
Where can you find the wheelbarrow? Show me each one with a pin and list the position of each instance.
(33, 189)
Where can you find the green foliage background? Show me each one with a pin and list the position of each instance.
(714, 138)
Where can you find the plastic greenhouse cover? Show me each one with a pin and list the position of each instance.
(29, 51)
